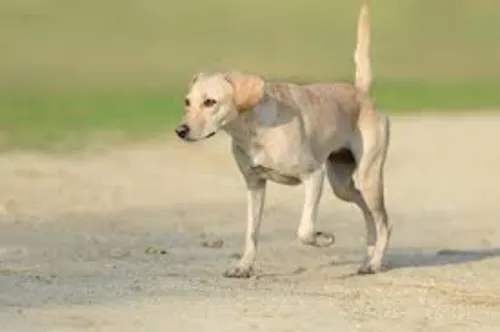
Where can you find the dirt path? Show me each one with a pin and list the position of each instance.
(113, 241)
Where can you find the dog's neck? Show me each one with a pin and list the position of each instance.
(242, 129)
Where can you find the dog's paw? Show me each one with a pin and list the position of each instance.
(368, 268)
(238, 272)
(318, 239)
(324, 239)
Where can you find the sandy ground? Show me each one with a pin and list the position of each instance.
(113, 241)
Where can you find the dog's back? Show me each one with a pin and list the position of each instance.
(338, 100)
(330, 102)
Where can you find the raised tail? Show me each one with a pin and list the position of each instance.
(362, 54)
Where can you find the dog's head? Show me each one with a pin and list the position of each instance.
(214, 100)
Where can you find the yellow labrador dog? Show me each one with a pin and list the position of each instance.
(296, 134)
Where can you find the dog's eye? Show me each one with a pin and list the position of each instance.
(186, 102)
(209, 102)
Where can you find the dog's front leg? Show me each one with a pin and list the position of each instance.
(313, 185)
(256, 192)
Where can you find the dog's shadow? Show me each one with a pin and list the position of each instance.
(400, 258)
(403, 258)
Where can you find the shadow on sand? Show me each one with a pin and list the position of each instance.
(399, 258)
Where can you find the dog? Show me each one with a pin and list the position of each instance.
(295, 134)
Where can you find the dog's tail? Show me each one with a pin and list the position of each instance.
(363, 79)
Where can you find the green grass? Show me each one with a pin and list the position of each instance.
(71, 68)
(397, 97)
(66, 122)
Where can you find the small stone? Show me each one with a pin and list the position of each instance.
(155, 251)
(150, 251)
(299, 270)
(235, 255)
(215, 244)
(119, 253)
(136, 288)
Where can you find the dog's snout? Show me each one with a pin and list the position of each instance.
(182, 130)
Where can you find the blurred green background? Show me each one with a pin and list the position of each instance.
(71, 68)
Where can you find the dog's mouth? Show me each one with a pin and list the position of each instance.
(192, 140)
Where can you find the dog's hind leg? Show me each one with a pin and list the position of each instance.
(372, 149)
(340, 168)
(367, 161)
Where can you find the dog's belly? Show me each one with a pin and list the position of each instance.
(283, 166)
(276, 176)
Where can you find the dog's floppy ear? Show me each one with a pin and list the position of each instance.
(248, 89)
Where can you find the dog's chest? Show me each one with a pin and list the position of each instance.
(275, 146)
(280, 160)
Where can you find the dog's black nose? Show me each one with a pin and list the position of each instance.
(182, 130)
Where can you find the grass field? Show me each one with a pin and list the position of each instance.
(70, 68)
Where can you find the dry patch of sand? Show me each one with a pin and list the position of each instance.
(121, 241)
